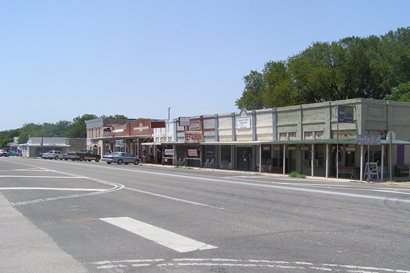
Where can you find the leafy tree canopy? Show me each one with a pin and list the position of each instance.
(71, 129)
(373, 67)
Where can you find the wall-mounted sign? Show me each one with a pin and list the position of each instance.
(141, 127)
(344, 113)
(169, 152)
(157, 124)
(195, 124)
(119, 143)
(193, 136)
(184, 121)
(243, 123)
(192, 152)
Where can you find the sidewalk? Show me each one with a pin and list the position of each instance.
(26, 249)
(402, 183)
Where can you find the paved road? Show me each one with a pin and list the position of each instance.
(91, 217)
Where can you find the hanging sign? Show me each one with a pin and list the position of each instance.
(368, 140)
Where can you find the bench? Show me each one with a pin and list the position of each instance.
(401, 170)
(347, 170)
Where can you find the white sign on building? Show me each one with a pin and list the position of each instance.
(243, 123)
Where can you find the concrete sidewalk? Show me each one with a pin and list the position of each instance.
(26, 249)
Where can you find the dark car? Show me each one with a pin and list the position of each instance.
(121, 157)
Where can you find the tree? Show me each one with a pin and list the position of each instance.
(251, 97)
(352, 67)
(278, 89)
(77, 129)
(400, 93)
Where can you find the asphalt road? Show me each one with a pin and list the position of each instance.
(60, 216)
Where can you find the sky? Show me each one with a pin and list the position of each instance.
(62, 59)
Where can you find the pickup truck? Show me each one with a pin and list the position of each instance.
(82, 156)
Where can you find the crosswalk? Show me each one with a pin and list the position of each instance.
(158, 235)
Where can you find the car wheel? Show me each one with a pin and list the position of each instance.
(136, 162)
(56, 157)
(119, 161)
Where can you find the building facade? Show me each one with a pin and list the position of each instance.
(347, 138)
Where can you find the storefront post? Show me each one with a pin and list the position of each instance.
(382, 165)
(312, 161)
(284, 159)
(327, 160)
(361, 162)
(260, 158)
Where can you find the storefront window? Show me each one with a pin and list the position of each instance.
(226, 157)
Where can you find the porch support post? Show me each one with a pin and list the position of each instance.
(327, 160)
(260, 158)
(284, 159)
(382, 163)
(361, 162)
(312, 161)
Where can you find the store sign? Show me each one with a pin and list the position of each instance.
(119, 143)
(195, 125)
(368, 140)
(157, 124)
(344, 113)
(243, 123)
(184, 121)
(194, 136)
(192, 152)
(169, 152)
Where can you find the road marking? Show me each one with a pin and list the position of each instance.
(238, 263)
(173, 198)
(48, 189)
(160, 236)
(43, 176)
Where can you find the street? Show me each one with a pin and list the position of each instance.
(94, 217)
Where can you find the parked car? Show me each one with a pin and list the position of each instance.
(4, 152)
(121, 157)
(53, 154)
(14, 153)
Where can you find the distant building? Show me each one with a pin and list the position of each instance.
(35, 146)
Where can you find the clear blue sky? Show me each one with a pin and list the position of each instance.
(62, 59)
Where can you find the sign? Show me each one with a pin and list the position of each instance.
(344, 113)
(184, 121)
(157, 124)
(192, 152)
(119, 143)
(368, 140)
(193, 136)
(195, 125)
(169, 152)
(243, 123)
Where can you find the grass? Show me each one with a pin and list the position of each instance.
(297, 175)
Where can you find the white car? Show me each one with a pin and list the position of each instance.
(53, 154)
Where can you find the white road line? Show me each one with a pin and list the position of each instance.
(48, 189)
(160, 236)
(43, 176)
(173, 198)
(238, 263)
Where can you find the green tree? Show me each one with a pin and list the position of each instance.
(278, 89)
(77, 129)
(400, 93)
(251, 97)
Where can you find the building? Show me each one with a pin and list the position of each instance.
(356, 138)
(321, 139)
(134, 136)
(35, 146)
